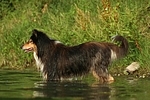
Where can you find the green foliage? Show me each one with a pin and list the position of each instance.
(74, 22)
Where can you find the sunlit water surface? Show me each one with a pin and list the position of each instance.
(27, 85)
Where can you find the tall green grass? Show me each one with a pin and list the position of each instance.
(74, 22)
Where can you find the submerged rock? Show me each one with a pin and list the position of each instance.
(134, 66)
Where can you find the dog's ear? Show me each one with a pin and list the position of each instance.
(34, 32)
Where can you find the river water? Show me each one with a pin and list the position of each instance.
(28, 85)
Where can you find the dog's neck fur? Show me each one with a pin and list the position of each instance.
(40, 65)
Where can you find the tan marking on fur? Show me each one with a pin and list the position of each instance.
(45, 76)
(95, 75)
(100, 79)
(29, 46)
(109, 79)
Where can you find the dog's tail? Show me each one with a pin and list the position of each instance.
(121, 49)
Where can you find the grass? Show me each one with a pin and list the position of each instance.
(74, 22)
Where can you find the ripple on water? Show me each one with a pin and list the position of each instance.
(28, 85)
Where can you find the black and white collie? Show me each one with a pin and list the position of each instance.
(57, 61)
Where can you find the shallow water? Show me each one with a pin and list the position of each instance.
(27, 85)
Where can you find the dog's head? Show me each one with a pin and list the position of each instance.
(38, 39)
(31, 46)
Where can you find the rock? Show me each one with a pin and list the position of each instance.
(134, 66)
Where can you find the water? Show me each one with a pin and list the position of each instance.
(27, 85)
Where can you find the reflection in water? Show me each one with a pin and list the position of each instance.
(20, 85)
(78, 90)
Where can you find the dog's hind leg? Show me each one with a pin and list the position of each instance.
(102, 75)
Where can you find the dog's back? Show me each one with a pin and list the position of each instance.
(58, 61)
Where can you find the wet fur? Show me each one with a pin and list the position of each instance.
(57, 61)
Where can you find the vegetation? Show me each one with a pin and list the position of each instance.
(74, 22)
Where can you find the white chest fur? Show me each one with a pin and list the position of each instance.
(39, 63)
(40, 66)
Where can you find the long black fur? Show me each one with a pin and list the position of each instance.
(61, 61)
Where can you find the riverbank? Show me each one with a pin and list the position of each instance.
(74, 22)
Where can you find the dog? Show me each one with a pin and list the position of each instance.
(57, 61)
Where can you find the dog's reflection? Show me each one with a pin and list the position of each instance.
(76, 89)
